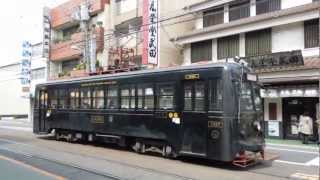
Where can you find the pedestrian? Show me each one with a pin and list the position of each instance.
(318, 123)
(305, 127)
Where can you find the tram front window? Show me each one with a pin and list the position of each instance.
(246, 97)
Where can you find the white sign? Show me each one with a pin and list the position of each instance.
(46, 33)
(273, 128)
(151, 32)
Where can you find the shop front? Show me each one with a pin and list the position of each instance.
(283, 106)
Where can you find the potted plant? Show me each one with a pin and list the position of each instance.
(79, 70)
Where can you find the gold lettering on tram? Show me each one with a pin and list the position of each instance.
(99, 83)
(215, 124)
(97, 119)
(192, 76)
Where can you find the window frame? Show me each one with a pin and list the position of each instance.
(63, 96)
(74, 100)
(53, 93)
(171, 95)
(239, 10)
(311, 33)
(82, 97)
(193, 98)
(228, 41)
(96, 97)
(144, 97)
(131, 97)
(213, 17)
(199, 51)
(115, 97)
(214, 105)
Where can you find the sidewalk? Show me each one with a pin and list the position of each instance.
(16, 124)
(291, 143)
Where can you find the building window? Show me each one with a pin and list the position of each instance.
(67, 33)
(85, 98)
(239, 10)
(213, 17)
(68, 66)
(228, 47)
(166, 96)
(265, 6)
(74, 98)
(201, 51)
(258, 42)
(145, 97)
(98, 98)
(128, 98)
(128, 27)
(112, 97)
(123, 6)
(311, 33)
(215, 95)
(194, 96)
(38, 74)
(272, 111)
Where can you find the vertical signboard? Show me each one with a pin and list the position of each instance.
(46, 33)
(26, 66)
(150, 32)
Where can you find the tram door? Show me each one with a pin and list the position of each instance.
(43, 105)
(194, 120)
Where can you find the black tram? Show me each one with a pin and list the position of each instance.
(212, 111)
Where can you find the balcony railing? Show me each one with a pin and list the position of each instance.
(62, 50)
(62, 14)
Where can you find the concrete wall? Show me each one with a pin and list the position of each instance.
(11, 91)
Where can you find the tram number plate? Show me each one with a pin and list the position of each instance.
(97, 119)
(215, 124)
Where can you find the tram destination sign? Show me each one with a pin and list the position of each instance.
(280, 59)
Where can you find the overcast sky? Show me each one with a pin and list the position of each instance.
(20, 20)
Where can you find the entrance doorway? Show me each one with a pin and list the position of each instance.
(292, 109)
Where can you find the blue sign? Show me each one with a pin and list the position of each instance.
(26, 63)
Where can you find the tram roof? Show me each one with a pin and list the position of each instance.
(139, 72)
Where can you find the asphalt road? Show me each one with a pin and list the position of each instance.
(81, 161)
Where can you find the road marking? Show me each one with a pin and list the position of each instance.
(290, 162)
(293, 150)
(292, 146)
(33, 168)
(17, 128)
(314, 162)
(304, 176)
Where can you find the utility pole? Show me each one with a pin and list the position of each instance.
(84, 18)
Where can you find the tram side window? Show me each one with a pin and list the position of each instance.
(166, 96)
(125, 98)
(194, 96)
(112, 97)
(74, 99)
(53, 94)
(62, 99)
(199, 96)
(98, 98)
(145, 97)
(85, 98)
(128, 97)
(188, 97)
(215, 95)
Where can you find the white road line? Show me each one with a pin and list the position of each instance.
(290, 162)
(314, 162)
(17, 128)
(293, 146)
(293, 150)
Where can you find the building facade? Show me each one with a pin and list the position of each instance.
(123, 36)
(68, 38)
(278, 38)
(14, 102)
